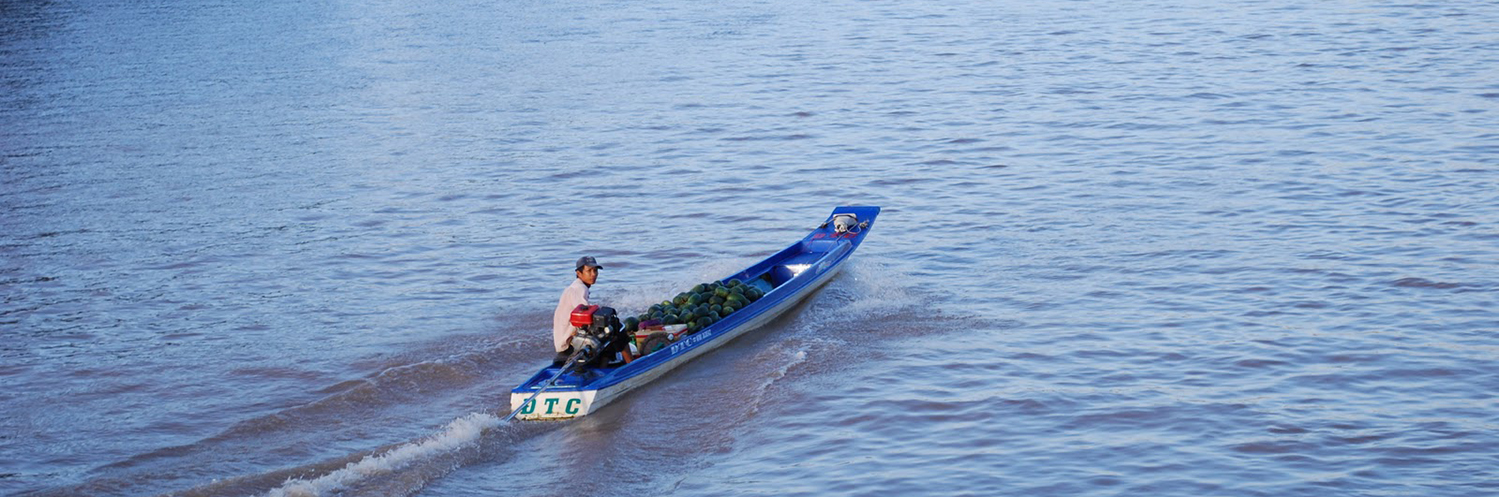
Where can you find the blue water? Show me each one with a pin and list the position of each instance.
(1127, 248)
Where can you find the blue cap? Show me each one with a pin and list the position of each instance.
(587, 261)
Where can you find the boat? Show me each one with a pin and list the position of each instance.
(785, 278)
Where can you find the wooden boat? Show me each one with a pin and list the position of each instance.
(790, 276)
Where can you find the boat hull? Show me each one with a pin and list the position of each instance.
(796, 273)
(567, 404)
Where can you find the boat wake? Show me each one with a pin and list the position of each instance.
(761, 391)
(462, 433)
(393, 470)
(325, 439)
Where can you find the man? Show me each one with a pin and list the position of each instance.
(576, 294)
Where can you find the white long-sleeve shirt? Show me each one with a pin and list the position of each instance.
(562, 328)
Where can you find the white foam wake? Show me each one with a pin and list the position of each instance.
(798, 358)
(457, 434)
(760, 391)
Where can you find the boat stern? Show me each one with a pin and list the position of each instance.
(563, 404)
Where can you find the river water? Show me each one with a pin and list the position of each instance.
(1127, 248)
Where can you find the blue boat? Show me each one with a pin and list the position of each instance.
(788, 277)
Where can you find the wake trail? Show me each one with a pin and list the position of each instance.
(458, 434)
(820, 339)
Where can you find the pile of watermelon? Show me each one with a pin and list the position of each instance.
(698, 308)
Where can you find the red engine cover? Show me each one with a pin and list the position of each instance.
(583, 315)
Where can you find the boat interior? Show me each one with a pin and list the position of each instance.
(787, 264)
(767, 275)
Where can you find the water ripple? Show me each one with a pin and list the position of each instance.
(1148, 248)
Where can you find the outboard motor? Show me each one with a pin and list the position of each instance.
(599, 335)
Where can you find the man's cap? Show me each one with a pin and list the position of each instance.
(587, 261)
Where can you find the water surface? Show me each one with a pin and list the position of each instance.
(1131, 248)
